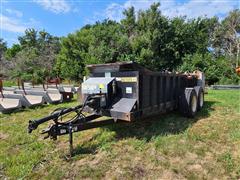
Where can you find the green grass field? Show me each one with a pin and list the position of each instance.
(167, 147)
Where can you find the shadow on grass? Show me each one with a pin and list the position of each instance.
(161, 125)
(171, 123)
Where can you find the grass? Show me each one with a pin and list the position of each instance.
(9, 83)
(167, 147)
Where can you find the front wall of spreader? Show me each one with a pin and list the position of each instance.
(125, 81)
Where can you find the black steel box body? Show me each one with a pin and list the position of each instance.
(155, 92)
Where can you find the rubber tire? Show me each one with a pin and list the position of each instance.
(185, 102)
(200, 94)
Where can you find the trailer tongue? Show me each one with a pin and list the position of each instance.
(79, 122)
(125, 92)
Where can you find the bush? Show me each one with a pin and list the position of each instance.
(217, 70)
(7, 83)
(235, 79)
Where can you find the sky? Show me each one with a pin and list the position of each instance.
(61, 17)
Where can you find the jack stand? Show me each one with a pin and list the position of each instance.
(70, 140)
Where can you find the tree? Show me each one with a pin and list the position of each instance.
(231, 25)
(70, 61)
(147, 37)
(101, 43)
(34, 58)
(149, 45)
(215, 69)
(226, 39)
(3, 48)
(48, 48)
(29, 39)
(11, 52)
(129, 22)
(4, 65)
(151, 39)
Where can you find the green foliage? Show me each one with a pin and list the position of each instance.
(11, 52)
(226, 39)
(147, 37)
(9, 83)
(129, 23)
(101, 43)
(217, 70)
(3, 47)
(70, 58)
(33, 59)
(150, 39)
(29, 39)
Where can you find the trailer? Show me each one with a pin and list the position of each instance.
(126, 91)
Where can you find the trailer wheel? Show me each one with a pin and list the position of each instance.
(188, 102)
(200, 97)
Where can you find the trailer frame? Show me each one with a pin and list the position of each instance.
(133, 94)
